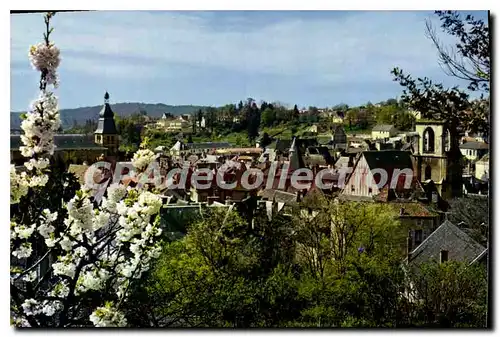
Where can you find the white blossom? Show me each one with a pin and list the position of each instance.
(80, 251)
(18, 186)
(108, 316)
(39, 164)
(23, 231)
(49, 217)
(50, 242)
(23, 251)
(61, 290)
(31, 307)
(66, 243)
(64, 268)
(45, 230)
(46, 58)
(100, 220)
(51, 307)
(30, 277)
(143, 158)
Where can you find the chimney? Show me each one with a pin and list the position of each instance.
(409, 246)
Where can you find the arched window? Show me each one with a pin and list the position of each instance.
(428, 140)
(428, 172)
(447, 140)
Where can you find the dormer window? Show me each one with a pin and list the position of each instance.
(443, 256)
(418, 237)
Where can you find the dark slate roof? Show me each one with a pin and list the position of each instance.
(389, 160)
(475, 146)
(285, 197)
(460, 246)
(106, 124)
(278, 196)
(63, 142)
(282, 145)
(414, 209)
(209, 145)
(383, 127)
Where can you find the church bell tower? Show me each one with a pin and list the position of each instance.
(106, 134)
(434, 156)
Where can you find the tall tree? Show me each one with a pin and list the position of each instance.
(470, 59)
(268, 117)
(296, 113)
(453, 105)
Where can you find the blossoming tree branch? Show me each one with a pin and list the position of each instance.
(73, 261)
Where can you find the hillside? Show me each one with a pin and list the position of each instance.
(80, 115)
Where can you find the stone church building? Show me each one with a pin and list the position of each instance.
(80, 148)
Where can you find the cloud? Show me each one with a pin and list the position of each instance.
(354, 45)
(299, 50)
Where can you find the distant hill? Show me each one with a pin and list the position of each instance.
(80, 115)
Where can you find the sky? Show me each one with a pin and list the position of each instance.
(308, 58)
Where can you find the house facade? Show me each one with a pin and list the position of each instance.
(483, 168)
(474, 150)
(383, 131)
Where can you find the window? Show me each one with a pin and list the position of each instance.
(428, 172)
(444, 256)
(428, 140)
(418, 237)
(447, 141)
(352, 188)
(370, 190)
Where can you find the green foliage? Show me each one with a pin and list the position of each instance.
(473, 213)
(268, 117)
(221, 274)
(451, 294)
(330, 265)
(88, 128)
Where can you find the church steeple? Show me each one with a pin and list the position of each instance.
(106, 111)
(106, 134)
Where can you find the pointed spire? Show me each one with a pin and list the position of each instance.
(293, 156)
(106, 97)
(292, 147)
